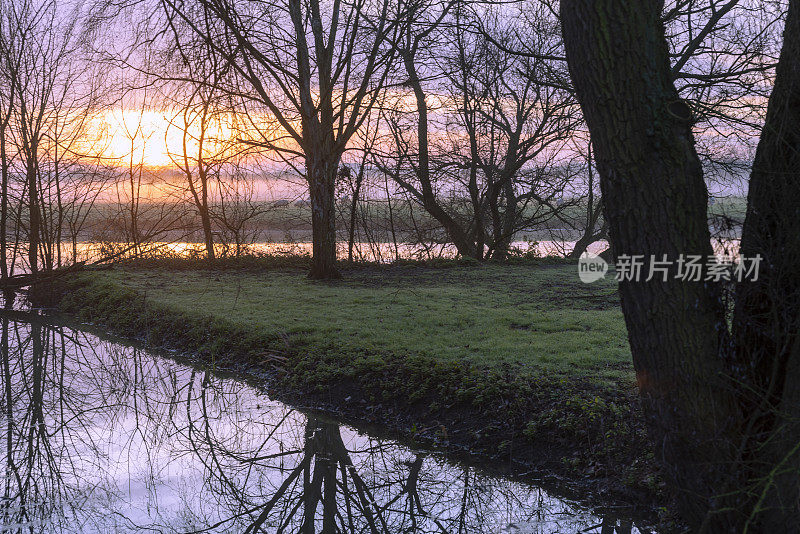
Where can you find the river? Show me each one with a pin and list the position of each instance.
(102, 436)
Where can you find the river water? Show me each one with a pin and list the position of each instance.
(101, 436)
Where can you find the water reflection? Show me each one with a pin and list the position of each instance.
(379, 252)
(102, 437)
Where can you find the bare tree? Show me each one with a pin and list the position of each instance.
(516, 129)
(200, 120)
(479, 148)
(51, 98)
(717, 401)
(316, 69)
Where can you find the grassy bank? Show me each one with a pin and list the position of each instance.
(521, 362)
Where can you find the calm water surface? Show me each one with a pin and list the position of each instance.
(102, 437)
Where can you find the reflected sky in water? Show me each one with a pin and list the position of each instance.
(98, 436)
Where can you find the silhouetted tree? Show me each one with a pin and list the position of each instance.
(722, 409)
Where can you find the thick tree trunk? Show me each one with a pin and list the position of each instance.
(503, 222)
(767, 315)
(655, 204)
(499, 248)
(510, 215)
(321, 181)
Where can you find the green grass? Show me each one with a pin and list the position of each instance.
(517, 361)
(734, 208)
(538, 317)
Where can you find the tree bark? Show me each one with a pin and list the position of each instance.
(767, 314)
(321, 180)
(655, 204)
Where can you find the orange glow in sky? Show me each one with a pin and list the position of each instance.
(153, 138)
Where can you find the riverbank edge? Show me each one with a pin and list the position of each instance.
(576, 436)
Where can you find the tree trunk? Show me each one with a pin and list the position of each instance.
(510, 214)
(205, 217)
(464, 245)
(581, 245)
(3, 207)
(134, 204)
(499, 249)
(655, 204)
(767, 315)
(593, 211)
(208, 235)
(33, 210)
(354, 212)
(321, 181)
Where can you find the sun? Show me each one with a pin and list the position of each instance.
(135, 137)
(153, 138)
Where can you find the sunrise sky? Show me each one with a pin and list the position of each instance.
(152, 137)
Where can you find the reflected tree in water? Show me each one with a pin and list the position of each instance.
(100, 437)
